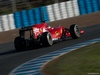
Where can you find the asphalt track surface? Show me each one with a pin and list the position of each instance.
(10, 59)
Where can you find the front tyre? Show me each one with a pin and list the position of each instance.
(19, 44)
(74, 31)
(46, 39)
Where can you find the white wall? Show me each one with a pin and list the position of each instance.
(63, 10)
(6, 22)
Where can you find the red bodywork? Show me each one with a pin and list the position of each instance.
(56, 32)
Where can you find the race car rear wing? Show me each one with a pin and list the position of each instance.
(23, 30)
(26, 28)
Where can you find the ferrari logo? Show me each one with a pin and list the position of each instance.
(57, 33)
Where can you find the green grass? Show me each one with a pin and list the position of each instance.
(83, 61)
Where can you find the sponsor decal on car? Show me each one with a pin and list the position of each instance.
(57, 33)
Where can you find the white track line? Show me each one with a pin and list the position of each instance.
(33, 67)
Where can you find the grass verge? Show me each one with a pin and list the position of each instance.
(84, 61)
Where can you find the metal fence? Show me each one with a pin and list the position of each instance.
(10, 6)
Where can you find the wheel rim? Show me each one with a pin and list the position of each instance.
(77, 31)
(49, 39)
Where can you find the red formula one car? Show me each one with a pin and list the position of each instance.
(42, 34)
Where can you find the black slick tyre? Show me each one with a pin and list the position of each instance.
(74, 31)
(46, 39)
(19, 44)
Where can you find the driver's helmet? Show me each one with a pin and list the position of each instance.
(49, 27)
(43, 21)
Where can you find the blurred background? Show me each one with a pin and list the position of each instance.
(22, 13)
(10, 6)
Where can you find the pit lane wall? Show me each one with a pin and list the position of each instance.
(49, 13)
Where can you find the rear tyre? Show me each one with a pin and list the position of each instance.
(74, 31)
(46, 39)
(19, 44)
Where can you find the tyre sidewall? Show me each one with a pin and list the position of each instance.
(19, 44)
(46, 39)
(74, 31)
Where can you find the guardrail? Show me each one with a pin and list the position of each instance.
(50, 13)
(88, 6)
